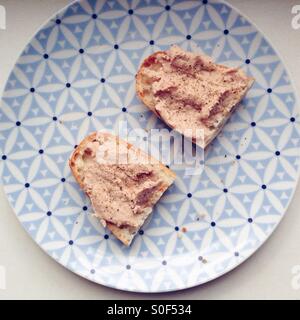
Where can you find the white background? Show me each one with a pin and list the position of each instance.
(31, 274)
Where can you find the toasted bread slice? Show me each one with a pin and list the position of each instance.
(190, 93)
(122, 182)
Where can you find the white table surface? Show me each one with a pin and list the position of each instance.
(32, 274)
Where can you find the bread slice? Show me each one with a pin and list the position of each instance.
(122, 182)
(190, 93)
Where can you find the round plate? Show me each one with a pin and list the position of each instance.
(77, 76)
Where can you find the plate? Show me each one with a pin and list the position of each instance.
(77, 75)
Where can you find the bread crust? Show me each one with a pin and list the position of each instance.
(139, 80)
(124, 234)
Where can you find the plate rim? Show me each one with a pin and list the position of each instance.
(225, 270)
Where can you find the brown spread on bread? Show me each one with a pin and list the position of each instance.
(189, 91)
(122, 182)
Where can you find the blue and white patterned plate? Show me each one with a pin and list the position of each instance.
(77, 75)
